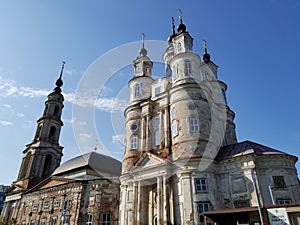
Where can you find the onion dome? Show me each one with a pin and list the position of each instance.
(206, 56)
(59, 83)
(143, 51)
(181, 27)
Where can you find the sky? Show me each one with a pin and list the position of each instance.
(255, 44)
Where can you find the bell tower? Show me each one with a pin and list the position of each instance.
(43, 155)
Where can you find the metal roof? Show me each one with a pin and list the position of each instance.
(102, 164)
(245, 148)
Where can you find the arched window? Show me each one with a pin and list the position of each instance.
(174, 128)
(25, 165)
(52, 132)
(134, 141)
(194, 124)
(174, 73)
(179, 47)
(38, 132)
(56, 110)
(157, 137)
(138, 69)
(47, 166)
(137, 90)
(187, 68)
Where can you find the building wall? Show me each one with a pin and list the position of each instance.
(73, 201)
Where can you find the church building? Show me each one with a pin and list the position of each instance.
(182, 161)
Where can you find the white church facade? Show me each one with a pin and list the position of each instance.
(182, 161)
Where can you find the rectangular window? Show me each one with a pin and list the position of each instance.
(241, 204)
(55, 203)
(54, 221)
(283, 201)
(23, 222)
(133, 141)
(66, 220)
(35, 207)
(43, 221)
(67, 204)
(137, 90)
(174, 128)
(187, 68)
(202, 207)
(106, 219)
(32, 222)
(174, 72)
(46, 206)
(200, 185)
(194, 125)
(279, 182)
(89, 219)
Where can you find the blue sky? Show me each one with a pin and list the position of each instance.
(254, 43)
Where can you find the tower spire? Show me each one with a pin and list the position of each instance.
(180, 15)
(59, 83)
(181, 27)
(206, 56)
(173, 26)
(143, 40)
(143, 51)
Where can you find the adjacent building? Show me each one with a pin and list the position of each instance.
(83, 190)
(3, 189)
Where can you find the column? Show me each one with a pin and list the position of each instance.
(159, 200)
(165, 200)
(167, 127)
(140, 204)
(147, 138)
(161, 128)
(134, 206)
(143, 134)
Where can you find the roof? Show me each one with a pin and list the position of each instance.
(246, 148)
(102, 164)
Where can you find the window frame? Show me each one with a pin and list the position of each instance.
(89, 219)
(174, 72)
(53, 220)
(137, 90)
(174, 128)
(194, 124)
(179, 47)
(187, 68)
(157, 137)
(199, 186)
(106, 218)
(279, 181)
(134, 142)
(283, 201)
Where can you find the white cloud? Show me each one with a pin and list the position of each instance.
(5, 123)
(104, 104)
(20, 115)
(85, 135)
(118, 138)
(69, 72)
(7, 106)
(9, 88)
